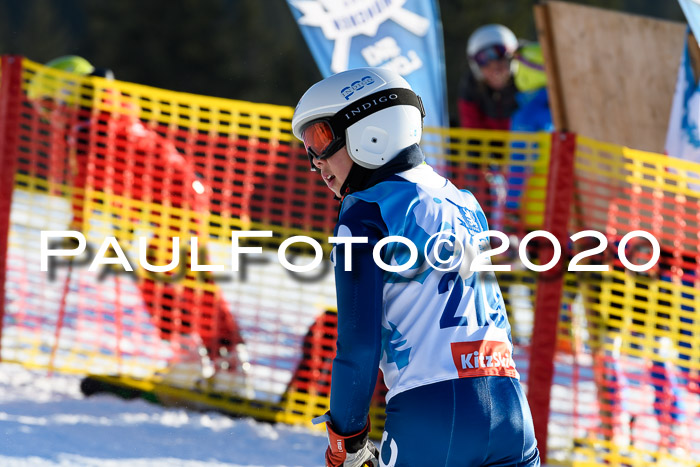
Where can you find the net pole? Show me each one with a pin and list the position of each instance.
(10, 104)
(550, 284)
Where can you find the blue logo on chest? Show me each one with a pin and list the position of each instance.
(468, 218)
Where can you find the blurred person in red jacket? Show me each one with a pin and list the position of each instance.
(113, 152)
(487, 90)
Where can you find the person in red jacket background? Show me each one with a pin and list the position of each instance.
(115, 153)
(487, 99)
(487, 90)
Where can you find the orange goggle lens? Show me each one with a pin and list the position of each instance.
(317, 137)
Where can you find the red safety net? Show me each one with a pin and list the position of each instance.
(627, 373)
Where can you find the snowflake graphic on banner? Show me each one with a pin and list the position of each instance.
(341, 20)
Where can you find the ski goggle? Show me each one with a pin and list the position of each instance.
(490, 54)
(320, 140)
(325, 136)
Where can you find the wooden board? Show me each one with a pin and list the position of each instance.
(611, 75)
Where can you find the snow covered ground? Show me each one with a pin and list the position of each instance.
(45, 421)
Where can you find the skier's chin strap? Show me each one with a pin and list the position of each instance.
(360, 178)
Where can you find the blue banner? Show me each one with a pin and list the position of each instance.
(403, 35)
(683, 135)
(691, 9)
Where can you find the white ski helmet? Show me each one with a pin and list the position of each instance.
(373, 111)
(487, 36)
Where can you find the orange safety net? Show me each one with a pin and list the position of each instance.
(111, 159)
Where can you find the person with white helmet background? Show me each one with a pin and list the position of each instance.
(487, 91)
(437, 329)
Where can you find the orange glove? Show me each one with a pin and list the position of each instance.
(349, 451)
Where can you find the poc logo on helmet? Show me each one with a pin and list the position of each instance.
(356, 86)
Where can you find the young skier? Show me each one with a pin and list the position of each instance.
(437, 329)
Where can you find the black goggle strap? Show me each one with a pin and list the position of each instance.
(380, 100)
(353, 113)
